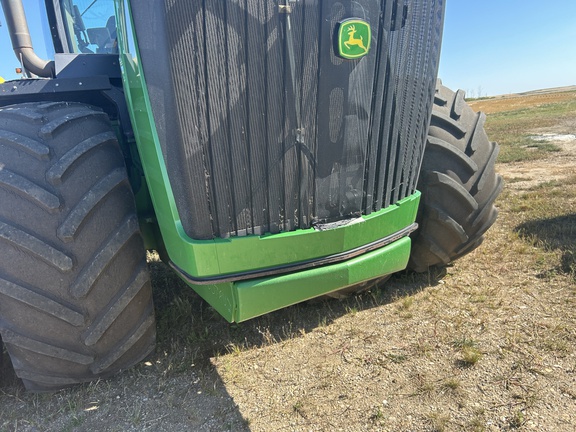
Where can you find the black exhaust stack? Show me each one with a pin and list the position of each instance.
(22, 42)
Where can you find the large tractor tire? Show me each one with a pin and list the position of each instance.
(75, 292)
(458, 183)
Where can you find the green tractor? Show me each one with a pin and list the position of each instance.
(271, 151)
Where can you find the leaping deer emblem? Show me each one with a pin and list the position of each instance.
(352, 41)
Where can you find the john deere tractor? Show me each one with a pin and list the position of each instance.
(271, 151)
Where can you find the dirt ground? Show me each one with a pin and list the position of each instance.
(489, 347)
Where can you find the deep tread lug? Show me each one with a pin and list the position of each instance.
(488, 171)
(28, 190)
(41, 382)
(441, 145)
(125, 346)
(29, 115)
(444, 121)
(41, 302)
(105, 320)
(477, 134)
(59, 169)
(67, 231)
(483, 211)
(449, 223)
(100, 261)
(23, 143)
(459, 104)
(444, 181)
(48, 130)
(36, 247)
(42, 348)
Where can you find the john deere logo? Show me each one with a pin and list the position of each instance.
(354, 36)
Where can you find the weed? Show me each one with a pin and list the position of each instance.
(298, 408)
(470, 356)
(351, 310)
(396, 358)
(518, 419)
(477, 424)
(451, 384)
(464, 342)
(404, 307)
(378, 415)
(136, 415)
(424, 386)
(423, 347)
(438, 421)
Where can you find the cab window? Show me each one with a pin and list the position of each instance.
(90, 26)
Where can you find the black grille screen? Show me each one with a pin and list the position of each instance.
(265, 129)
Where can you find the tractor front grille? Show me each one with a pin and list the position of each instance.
(264, 128)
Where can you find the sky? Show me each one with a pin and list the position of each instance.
(490, 47)
(493, 47)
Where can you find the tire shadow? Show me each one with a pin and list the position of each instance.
(185, 321)
(8, 378)
(558, 233)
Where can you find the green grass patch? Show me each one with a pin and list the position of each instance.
(513, 130)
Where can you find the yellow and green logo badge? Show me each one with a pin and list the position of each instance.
(354, 36)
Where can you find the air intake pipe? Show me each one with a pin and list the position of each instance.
(21, 41)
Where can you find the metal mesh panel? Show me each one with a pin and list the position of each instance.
(265, 129)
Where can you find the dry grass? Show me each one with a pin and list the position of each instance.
(490, 347)
(515, 120)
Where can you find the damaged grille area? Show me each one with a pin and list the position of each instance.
(265, 129)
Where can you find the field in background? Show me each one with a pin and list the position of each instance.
(517, 121)
(490, 347)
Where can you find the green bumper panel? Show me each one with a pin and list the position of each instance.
(246, 257)
(260, 296)
(240, 301)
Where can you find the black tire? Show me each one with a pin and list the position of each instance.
(75, 292)
(458, 183)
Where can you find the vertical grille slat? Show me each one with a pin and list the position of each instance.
(265, 130)
(255, 18)
(275, 127)
(218, 116)
(237, 111)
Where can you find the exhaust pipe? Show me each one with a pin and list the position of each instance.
(22, 42)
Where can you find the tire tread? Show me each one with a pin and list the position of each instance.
(100, 261)
(25, 144)
(29, 190)
(41, 302)
(458, 182)
(36, 247)
(43, 348)
(75, 293)
(59, 169)
(68, 229)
